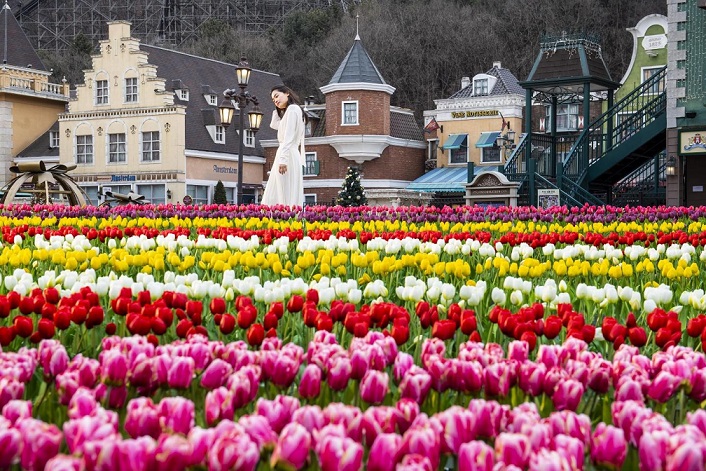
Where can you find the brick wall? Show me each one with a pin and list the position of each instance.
(373, 112)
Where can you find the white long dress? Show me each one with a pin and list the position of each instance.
(287, 189)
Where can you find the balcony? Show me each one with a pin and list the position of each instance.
(311, 169)
(21, 82)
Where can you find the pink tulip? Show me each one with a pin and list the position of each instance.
(415, 462)
(259, 430)
(608, 446)
(113, 368)
(567, 395)
(687, 457)
(82, 403)
(292, 447)
(383, 448)
(233, 452)
(415, 385)
(570, 448)
(41, 442)
(199, 350)
(653, 450)
(663, 386)
(402, 365)
(571, 424)
(176, 415)
(275, 411)
(113, 397)
(339, 373)
(10, 389)
(498, 377)
(215, 374)
(489, 415)
(697, 419)
(422, 440)
(531, 378)
(311, 417)
(360, 359)
(11, 444)
(518, 351)
(548, 355)
(310, 384)
(218, 405)
(135, 455)
(475, 456)
(173, 453)
(340, 454)
(374, 387)
(547, 460)
(349, 417)
(698, 385)
(285, 369)
(599, 376)
(240, 387)
(64, 463)
(53, 358)
(142, 418)
(409, 410)
(201, 441)
(513, 449)
(629, 390)
(17, 409)
(466, 376)
(66, 385)
(459, 428)
(79, 431)
(181, 372)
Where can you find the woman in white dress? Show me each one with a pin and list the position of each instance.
(286, 183)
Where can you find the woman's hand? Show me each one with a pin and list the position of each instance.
(282, 169)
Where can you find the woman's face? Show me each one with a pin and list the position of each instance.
(280, 99)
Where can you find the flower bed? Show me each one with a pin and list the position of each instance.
(169, 337)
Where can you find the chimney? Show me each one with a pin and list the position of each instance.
(310, 100)
(496, 65)
(465, 81)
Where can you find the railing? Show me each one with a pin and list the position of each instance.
(54, 88)
(645, 186)
(17, 82)
(637, 110)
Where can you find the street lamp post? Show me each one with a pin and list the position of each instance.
(226, 110)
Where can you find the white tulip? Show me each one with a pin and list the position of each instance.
(355, 295)
(516, 297)
(649, 305)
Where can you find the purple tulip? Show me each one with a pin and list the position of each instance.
(475, 456)
(310, 384)
(608, 446)
(215, 374)
(292, 447)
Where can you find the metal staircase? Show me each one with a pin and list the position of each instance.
(614, 146)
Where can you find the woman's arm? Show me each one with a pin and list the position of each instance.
(291, 138)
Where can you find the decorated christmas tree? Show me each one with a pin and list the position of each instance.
(352, 192)
(219, 194)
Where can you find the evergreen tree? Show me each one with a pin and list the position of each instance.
(219, 194)
(352, 192)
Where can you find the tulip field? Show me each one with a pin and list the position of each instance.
(372, 338)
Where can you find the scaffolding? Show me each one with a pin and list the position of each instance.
(51, 25)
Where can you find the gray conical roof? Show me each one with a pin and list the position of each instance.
(357, 67)
(15, 48)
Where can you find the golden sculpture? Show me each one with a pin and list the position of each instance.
(46, 186)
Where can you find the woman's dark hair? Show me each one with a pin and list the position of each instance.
(293, 99)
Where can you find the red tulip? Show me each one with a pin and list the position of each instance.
(23, 326)
(295, 303)
(255, 335)
(217, 306)
(227, 323)
(443, 329)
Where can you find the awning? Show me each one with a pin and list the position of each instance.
(487, 139)
(451, 179)
(455, 141)
(441, 179)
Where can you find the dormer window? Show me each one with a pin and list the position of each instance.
(249, 138)
(53, 139)
(220, 135)
(183, 94)
(212, 100)
(480, 87)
